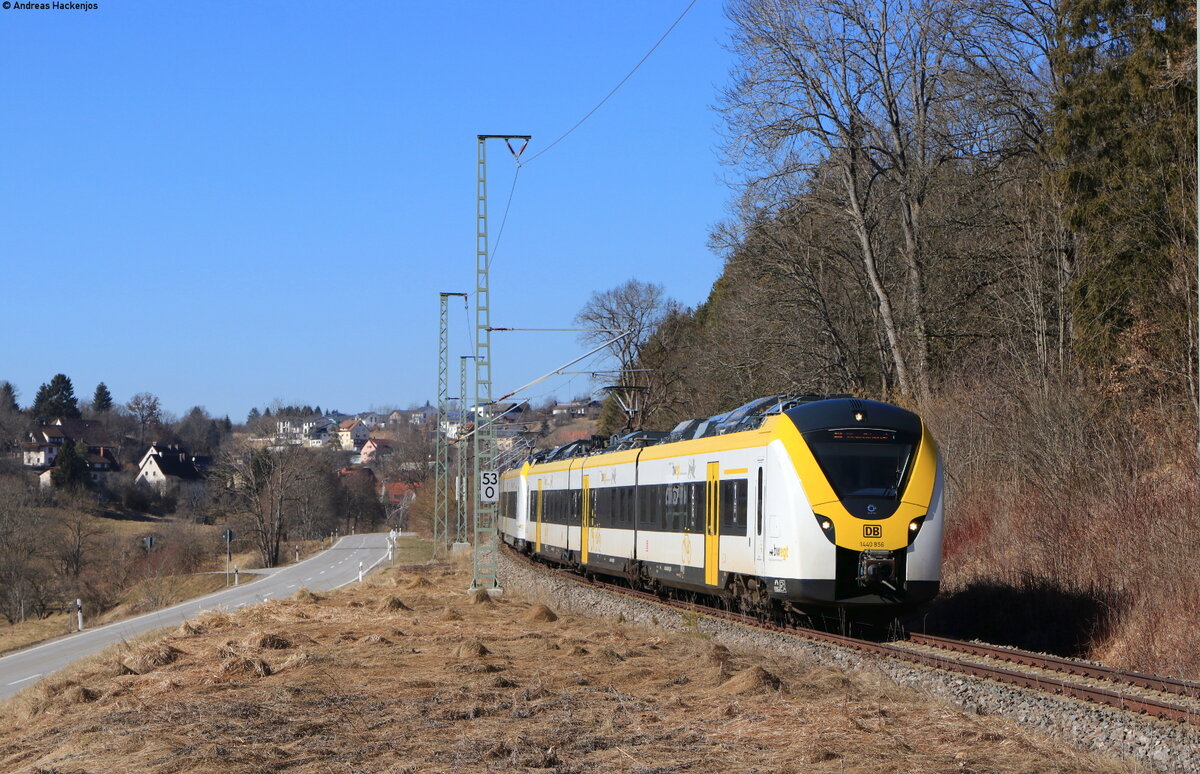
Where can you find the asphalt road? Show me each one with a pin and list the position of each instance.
(327, 570)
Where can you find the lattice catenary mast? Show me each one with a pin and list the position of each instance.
(484, 446)
(441, 504)
(462, 484)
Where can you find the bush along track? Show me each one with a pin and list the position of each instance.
(1046, 698)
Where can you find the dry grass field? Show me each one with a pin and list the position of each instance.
(408, 673)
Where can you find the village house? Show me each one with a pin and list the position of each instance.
(454, 425)
(363, 476)
(101, 464)
(201, 461)
(319, 436)
(301, 427)
(376, 447)
(424, 416)
(370, 418)
(171, 467)
(47, 441)
(352, 434)
(397, 498)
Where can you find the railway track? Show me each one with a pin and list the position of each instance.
(1164, 698)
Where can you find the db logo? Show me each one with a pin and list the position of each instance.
(872, 530)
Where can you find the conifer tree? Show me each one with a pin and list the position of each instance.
(56, 400)
(70, 469)
(8, 397)
(102, 401)
(1124, 128)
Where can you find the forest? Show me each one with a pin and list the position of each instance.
(985, 212)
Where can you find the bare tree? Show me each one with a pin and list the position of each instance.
(867, 101)
(24, 578)
(316, 498)
(146, 410)
(74, 541)
(636, 310)
(264, 485)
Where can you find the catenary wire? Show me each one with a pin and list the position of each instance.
(614, 90)
(504, 218)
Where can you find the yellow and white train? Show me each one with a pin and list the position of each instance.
(790, 502)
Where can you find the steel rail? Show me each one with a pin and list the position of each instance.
(1058, 664)
(1043, 684)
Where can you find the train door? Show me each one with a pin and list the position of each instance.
(585, 521)
(712, 523)
(537, 529)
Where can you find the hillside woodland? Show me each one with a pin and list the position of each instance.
(984, 212)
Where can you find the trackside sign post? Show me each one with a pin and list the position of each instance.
(489, 485)
(228, 536)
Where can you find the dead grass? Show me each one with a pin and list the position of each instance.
(156, 593)
(1068, 522)
(330, 686)
(392, 605)
(144, 597)
(26, 633)
(540, 613)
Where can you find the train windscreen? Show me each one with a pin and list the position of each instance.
(863, 462)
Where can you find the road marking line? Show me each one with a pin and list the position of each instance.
(292, 586)
(26, 679)
(322, 572)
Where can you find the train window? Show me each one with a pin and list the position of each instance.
(677, 507)
(863, 462)
(733, 507)
(650, 514)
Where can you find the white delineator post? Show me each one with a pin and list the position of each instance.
(79, 613)
(360, 572)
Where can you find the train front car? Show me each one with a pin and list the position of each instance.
(857, 523)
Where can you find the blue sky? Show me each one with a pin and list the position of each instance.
(227, 203)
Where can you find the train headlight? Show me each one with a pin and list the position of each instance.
(826, 525)
(914, 527)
